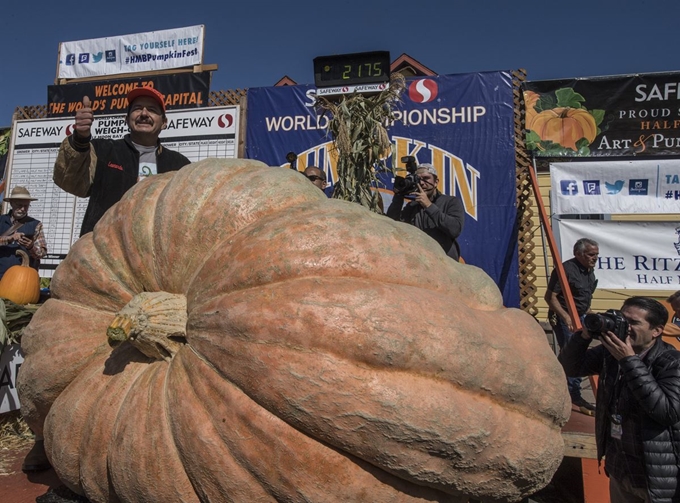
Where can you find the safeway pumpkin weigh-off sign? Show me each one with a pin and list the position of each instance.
(604, 116)
(196, 133)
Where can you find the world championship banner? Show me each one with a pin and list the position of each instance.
(139, 52)
(614, 187)
(604, 116)
(462, 124)
(181, 90)
(635, 255)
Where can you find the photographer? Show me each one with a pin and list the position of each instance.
(637, 418)
(440, 216)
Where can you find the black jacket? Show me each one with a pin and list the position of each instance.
(653, 383)
(116, 171)
(443, 220)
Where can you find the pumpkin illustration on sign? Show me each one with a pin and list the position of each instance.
(530, 100)
(560, 124)
(287, 360)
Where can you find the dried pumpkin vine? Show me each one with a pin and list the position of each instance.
(358, 125)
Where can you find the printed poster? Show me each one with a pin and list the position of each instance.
(604, 116)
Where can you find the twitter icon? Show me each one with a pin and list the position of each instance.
(614, 188)
(96, 58)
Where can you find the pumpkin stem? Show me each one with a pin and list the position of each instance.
(153, 322)
(24, 258)
(565, 113)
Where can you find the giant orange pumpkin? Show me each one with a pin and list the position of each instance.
(270, 344)
(565, 126)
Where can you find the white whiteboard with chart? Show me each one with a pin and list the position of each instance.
(195, 133)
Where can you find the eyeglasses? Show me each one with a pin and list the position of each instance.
(314, 178)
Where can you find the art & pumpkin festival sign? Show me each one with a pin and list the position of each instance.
(604, 116)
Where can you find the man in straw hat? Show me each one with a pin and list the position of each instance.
(18, 231)
(104, 169)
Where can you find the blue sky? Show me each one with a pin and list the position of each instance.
(256, 42)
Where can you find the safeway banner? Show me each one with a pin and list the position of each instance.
(614, 187)
(634, 255)
(462, 124)
(181, 90)
(604, 116)
(139, 52)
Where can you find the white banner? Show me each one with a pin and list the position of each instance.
(10, 361)
(140, 52)
(636, 255)
(614, 187)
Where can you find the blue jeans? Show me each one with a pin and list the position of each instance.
(563, 336)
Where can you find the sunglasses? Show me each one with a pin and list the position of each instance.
(314, 178)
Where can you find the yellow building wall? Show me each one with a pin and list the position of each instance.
(603, 299)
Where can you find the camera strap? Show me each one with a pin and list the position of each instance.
(616, 421)
(11, 230)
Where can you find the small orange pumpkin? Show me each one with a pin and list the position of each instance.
(565, 126)
(21, 283)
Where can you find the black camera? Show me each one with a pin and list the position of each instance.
(609, 321)
(407, 184)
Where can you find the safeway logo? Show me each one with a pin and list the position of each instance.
(423, 90)
(69, 129)
(225, 121)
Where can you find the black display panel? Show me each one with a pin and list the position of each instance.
(351, 69)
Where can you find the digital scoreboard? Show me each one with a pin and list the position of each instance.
(352, 69)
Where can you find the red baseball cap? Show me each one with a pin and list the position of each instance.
(146, 91)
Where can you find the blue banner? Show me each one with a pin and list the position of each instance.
(462, 124)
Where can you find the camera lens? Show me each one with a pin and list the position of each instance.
(593, 322)
(596, 323)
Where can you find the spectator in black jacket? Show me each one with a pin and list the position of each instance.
(104, 169)
(637, 418)
(440, 216)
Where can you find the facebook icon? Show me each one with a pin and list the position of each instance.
(569, 187)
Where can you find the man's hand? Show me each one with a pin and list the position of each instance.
(421, 197)
(84, 119)
(26, 242)
(569, 323)
(14, 238)
(618, 348)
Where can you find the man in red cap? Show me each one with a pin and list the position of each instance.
(104, 169)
